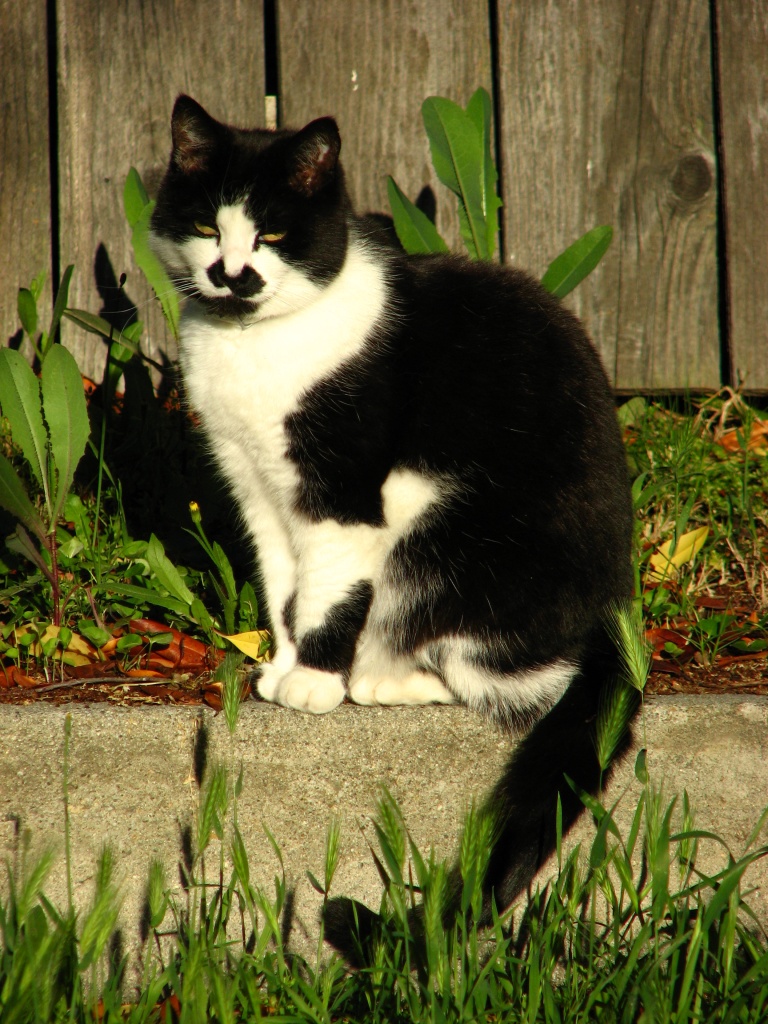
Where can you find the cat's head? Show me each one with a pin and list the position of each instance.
(250, 223)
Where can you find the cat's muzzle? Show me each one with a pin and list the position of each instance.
(244, 285)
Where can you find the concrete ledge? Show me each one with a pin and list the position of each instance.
(132, 784)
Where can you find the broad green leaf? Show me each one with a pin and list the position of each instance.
(578, 260)
(154, 272)
(60, 305)
(74, 512)
(143, 596)
(66, 414)
(166, 572)
(90, 322)
(135, 196)
(225, 568)
(200, 614)
(20, 403)
(27, 310)
(120, 354)
(457, 154)
(37, 284)
(415, 230)
(14, 498)
(479, 111)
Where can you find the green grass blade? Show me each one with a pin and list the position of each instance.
(457, 155)
(66, 414)
(722, 895)
(415, 230)
(479, 111)
(578, 260)
(20, 403)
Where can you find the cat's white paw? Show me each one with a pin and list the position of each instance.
(414, 688)
(271, 673)
(309, 689)
(268, 681)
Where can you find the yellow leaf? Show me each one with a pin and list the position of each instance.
(663, 564)
(77, 653)
(252, 644)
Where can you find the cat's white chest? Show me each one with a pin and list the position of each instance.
(245, 381)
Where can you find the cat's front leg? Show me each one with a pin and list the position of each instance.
(277, 574)
(336, 568)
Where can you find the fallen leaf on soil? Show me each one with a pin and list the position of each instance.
(252, 644)
(78, 651)
(11, 675)
(664, 562)
(733, 440)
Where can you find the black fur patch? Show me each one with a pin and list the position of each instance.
(331, 647)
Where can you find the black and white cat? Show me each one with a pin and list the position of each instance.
(423, 449)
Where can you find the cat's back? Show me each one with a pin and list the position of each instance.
(488, 355)
(485, 314)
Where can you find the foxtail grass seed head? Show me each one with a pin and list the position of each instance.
(332, 852)
(231, 692)
(213, 809)
(625, 625)
(157, 888)
(617, 707)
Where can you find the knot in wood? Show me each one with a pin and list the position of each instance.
(692, 177)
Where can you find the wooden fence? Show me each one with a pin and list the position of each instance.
(650, 116)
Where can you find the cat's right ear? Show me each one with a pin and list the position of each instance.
(194, 133)
(314, 156)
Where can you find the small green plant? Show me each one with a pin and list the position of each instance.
(49, 423)
(461, 146)
(29, 314)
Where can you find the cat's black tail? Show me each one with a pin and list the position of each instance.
(561, 746)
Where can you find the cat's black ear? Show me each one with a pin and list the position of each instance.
(314, 156)
(195, 134)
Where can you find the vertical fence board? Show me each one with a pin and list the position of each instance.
(25, 194)
(120, 68)
(371, 65)
(743, 50)
(607, 119)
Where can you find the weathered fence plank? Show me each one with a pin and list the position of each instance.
(742, 30)
(120, 68)
(607, 119)
(371, 65)
(26, 195)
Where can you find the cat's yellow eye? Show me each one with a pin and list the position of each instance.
(272, 236)
(206, 230)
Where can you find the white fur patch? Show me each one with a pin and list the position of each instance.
(528, 692)
(413, 688)
(237, 234)
(243, 380)
(308, 689)
(406, 496)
